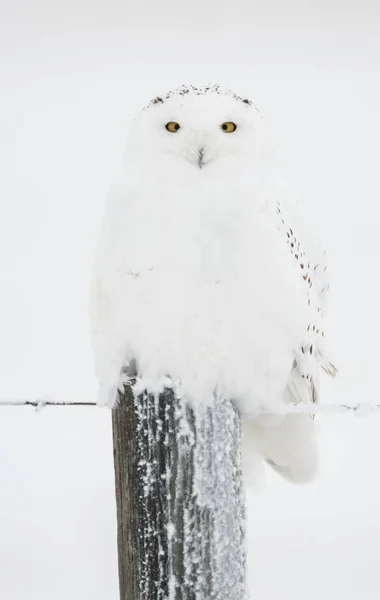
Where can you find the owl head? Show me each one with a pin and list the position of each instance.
(207, 130)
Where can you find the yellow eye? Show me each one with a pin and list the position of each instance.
(228, 127)
(172, 126)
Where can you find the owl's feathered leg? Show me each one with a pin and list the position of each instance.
(288, 443)
(289, 446)
(291, 449)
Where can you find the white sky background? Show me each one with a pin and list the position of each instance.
(72, 75)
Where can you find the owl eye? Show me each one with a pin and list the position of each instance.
(172, 126)
(228, 127)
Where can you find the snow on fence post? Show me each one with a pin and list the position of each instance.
(180, 499)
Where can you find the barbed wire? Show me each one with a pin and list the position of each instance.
(360, 409)
(41, 402)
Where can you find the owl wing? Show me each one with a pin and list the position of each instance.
(108, 341)
(310, 258)
(290, 447)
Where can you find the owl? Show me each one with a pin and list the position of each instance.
(207, 272)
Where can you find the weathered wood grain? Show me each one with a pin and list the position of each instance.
(180, 501)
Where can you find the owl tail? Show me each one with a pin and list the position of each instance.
(287, 444)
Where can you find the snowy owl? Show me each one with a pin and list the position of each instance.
(206, 272)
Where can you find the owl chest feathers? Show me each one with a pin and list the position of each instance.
(208, 231)
(209, 245)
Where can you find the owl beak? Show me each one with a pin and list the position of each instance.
(201, 157)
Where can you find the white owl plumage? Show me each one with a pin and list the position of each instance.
(206, 272)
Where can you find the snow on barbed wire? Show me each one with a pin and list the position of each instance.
(361, 409)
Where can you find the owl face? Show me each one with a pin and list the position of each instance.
(201, 131)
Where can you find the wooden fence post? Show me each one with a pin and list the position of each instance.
(180, 500)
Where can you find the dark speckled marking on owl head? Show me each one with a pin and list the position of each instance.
(207, 89)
